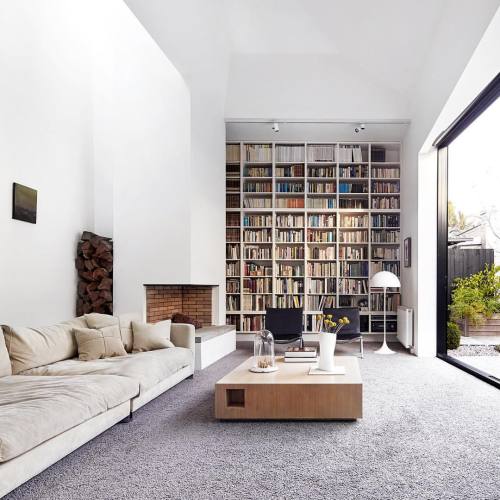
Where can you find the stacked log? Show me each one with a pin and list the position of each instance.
(94, 263)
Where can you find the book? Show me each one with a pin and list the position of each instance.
(301, 360)
(301, 352)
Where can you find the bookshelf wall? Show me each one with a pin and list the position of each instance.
(307, 225)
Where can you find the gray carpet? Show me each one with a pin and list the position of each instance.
(429, 431)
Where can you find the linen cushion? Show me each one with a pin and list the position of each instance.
(96, 344)
(5, 368)
(147, 368)
(104, 322)
(125, 321)
(32, 347)
(148, 337)
(35, 409)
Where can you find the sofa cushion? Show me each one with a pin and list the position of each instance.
(148, 336)
(96, 344)
(104, 322)
(184, 318)
(147, 368)
(32, 347)
(35, 409)
(5, 368)
(125, 321)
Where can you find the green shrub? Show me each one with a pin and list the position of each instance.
(477, 296)
(453, 336)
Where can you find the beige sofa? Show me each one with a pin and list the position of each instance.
(51, 403)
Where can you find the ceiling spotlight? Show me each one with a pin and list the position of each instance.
(359, 127)
(276, 127)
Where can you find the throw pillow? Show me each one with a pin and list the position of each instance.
(104, 322)
(148, 337)
(98, 344)
(183, 318)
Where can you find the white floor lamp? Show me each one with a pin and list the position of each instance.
(385, 280)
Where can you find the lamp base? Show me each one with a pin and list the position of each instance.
(384, 349)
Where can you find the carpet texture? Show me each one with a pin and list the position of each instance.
(429, 431)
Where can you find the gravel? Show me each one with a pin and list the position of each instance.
(474, 350)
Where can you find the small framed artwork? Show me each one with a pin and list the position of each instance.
(24, 203)
(407, 252)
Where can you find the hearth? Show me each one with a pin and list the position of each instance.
(198, 301)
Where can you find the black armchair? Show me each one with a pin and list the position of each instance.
(285, 324)
(351, 332)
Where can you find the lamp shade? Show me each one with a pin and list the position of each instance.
(385, 279)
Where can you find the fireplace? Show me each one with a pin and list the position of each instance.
(198, 301)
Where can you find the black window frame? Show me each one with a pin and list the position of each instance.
(482, 102)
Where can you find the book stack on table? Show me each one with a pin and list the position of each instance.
(301, 355)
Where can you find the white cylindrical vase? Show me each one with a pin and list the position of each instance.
(327, 343)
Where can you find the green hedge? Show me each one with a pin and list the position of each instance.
(453, 336)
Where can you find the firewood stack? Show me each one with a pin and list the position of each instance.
(94, 263)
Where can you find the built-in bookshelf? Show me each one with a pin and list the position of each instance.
(307, 225)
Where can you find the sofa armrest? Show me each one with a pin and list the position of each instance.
(182, 335)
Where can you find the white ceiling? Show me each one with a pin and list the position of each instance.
(353, 60)
(386, 39)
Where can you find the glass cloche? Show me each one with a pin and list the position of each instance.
(263, 353)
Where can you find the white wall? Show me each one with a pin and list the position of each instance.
(310, 86)
(480, 70)
(45, 143)
(86, 93)
(442, 70)
(192, 35)
(143, 131)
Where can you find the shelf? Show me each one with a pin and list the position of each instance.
(353, 163)
(362, 177)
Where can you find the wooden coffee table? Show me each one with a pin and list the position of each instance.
(290, 393)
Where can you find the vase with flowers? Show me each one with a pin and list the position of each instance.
(328, 340)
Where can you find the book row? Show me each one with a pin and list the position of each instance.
(318, 286)
(289, 153)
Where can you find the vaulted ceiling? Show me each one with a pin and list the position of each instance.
(387, 40)
(314, 58)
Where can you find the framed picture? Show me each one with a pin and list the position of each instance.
(24, 202)
(407, 252)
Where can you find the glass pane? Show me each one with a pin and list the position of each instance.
(474, 244)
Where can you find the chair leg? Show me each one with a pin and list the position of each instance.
(301, 342)
(361, 347)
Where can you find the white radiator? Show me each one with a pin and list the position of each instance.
(405, 326)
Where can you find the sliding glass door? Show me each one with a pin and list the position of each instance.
(469, 238)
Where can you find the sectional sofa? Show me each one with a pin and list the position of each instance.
(51, 402)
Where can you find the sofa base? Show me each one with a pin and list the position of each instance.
(22, 468)
(160, 388)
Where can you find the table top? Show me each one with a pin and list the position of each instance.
(293, 373)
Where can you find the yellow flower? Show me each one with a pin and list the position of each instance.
(329, 316)
(334, 324)
(341, 321)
